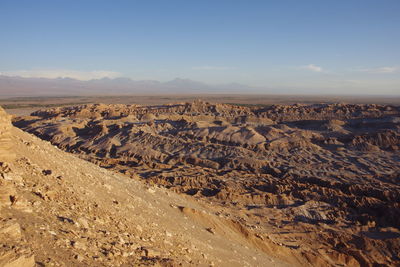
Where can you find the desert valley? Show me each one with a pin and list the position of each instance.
(200, 183)
(200, 133)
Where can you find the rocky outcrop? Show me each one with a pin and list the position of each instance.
(15, 251)
(6, 152)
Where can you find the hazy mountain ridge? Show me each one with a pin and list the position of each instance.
(20, 86)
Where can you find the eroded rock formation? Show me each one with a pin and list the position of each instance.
(14, 250)
(321, 180)
(6, 153)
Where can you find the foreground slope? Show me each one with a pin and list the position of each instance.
(318, 181)
(58, 210)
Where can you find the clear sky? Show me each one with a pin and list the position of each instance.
(332, 46)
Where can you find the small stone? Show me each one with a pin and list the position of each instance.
(209, 229)
(151, 190)
(78, 257)
(151, 252)
(65, 219)
(83, 222)
(168, 234)
(78, 245)
(47, 172)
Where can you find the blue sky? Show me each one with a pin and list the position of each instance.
(342, 46)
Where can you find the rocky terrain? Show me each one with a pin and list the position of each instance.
(59, 210)
(310, 184)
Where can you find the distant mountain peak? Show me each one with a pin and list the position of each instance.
(19, 86)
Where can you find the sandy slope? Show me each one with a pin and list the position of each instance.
(68, 212)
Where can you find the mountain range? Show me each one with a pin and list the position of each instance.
(18, 86)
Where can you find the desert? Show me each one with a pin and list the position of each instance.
(200, 133)
(301, 184)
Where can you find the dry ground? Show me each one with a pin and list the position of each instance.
(317, 182)
(68, 212)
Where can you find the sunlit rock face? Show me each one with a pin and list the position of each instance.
(6, 152)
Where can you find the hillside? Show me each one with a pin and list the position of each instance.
(313, 184)
(58, 210)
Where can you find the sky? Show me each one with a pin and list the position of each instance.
(309, 46)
